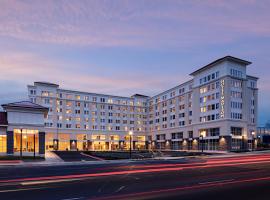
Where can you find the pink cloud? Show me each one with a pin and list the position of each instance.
(133, 23)
(25, 68)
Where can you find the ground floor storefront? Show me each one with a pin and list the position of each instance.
(223, 143)
(22, 142)
(93, 142)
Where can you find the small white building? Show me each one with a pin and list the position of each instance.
(22, 131)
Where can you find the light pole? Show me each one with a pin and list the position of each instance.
(21, 144)
(130, 137)
(34, 145)
(253, 142)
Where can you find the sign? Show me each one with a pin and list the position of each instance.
(222, 98)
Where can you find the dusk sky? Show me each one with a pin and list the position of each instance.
(124, 47)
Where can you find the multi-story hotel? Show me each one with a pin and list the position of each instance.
(215, 110)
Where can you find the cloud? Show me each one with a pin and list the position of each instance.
(132, 23)
(22, 68)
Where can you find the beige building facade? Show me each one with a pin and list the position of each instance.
(216, 111)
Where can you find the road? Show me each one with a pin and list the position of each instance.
(241, 177)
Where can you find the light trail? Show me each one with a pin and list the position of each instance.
(184, 188)
(175, 167)
(208, 162)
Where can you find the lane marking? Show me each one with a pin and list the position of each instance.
(220, 181)
(48, 181)
(119, 189)
(23, 189)
(75, 198)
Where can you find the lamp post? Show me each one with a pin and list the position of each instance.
(243, 142)
(21, 143)
(201, 137)
(253, 142)
(34, 145)
(130, 137)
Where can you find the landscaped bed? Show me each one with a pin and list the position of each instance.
(116, 155)
(24, 158)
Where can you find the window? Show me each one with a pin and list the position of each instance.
(237, 131)
(177, 135)
(190, 134)
(214, 132)
(181, 123)
(236, 73)
(102, 100)
(181, 115)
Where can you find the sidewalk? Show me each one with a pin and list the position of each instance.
(54, 161)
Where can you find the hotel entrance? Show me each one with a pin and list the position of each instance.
(99, 146)
(26, 141)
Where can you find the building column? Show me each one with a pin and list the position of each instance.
(147, 145)
(10, 142)
(73, 145)
(133, 147)
(244, 142)
(185, 144)
(41, 143)
(89, 145)
(225, 143)
(55, 144)
(107, 146)
(195, 144)
(168, 144)
(121, 143)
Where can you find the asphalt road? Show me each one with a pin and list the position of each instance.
(245, 177)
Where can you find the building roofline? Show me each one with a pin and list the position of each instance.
(231, 58)
(252, 77)
(92, 93)
(46, 83)
(140, 95)
(173, 88)
(23, 104)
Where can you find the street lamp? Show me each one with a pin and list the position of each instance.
(130, 136)
(253, 142)
(21, 143)
(34, 145)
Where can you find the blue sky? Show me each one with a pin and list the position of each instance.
(124, 47)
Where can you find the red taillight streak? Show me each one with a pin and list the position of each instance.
(125, 172)
(91, 175)
(196, 164)
(183, 188)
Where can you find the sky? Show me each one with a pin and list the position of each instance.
(124, 47)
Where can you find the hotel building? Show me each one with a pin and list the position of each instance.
(215, 110)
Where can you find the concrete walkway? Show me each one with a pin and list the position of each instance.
(51, 157)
